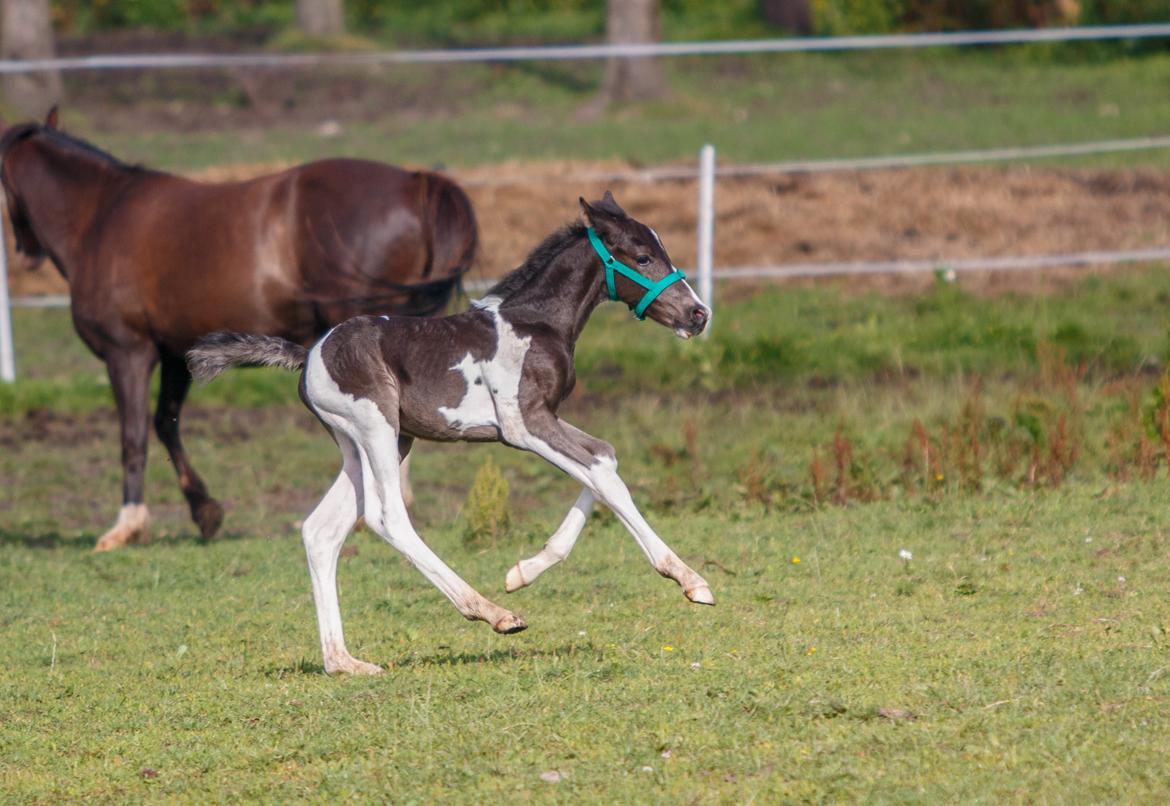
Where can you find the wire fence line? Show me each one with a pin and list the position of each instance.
(882, 162)
(179, 61)
(841, 269)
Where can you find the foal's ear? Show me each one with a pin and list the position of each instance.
(601, 214)
(51, 118)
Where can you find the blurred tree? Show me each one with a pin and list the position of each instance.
(320, 17)
(626, 22)
(794, 16)
(26, 32)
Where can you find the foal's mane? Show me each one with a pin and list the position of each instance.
(537, 261)
(65, 142)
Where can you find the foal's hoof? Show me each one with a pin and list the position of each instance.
(701, 595)
(515, 580)
(349, 665)
(509, 624)
(208, 516)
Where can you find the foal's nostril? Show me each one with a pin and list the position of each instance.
(699, 315)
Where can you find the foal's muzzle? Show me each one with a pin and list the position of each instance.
(694, 323)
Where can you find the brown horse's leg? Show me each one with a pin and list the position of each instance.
(404, 444)
(172, 391)
(129, 371)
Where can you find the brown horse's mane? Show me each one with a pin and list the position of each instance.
(65, 142)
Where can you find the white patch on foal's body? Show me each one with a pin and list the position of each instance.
(493, 386)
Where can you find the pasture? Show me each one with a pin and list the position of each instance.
(1014, 445)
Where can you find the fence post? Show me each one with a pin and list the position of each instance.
(7, 351)
(706, 235)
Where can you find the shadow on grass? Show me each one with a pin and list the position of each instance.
(45, 540)
(52, 539)
(496, 657)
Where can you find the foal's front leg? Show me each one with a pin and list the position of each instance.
(552, 439)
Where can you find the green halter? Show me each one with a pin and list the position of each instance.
(612, 264)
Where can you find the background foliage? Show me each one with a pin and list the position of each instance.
(487, 20)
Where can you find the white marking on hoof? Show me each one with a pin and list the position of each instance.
(131, 528)
(347, 664)
(510, 623)
(515, 579)
(701, 595)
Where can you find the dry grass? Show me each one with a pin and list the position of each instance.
(882, 215)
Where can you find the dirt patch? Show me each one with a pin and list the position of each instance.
(932, 214)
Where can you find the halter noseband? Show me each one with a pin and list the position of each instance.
(612, 264)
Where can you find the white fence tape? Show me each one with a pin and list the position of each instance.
(173, 61)
(796, 270)
(681, 172)
(1002, 263)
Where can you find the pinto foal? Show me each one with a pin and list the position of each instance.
(496, 372)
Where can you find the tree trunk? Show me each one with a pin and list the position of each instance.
(320, 17)
(26, 32)
(794, 16)
(627, 22)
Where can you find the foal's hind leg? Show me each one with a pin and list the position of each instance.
(172, 391)
(386, 514)
(323, 533)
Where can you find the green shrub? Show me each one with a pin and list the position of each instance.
(486, 511)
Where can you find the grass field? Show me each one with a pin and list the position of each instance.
(765, 108)
(1020, 654)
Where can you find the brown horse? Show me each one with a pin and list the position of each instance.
(155, 261)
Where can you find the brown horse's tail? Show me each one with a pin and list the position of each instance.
(223, 350)
(454, 236)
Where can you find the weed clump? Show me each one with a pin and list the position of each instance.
(487, 513)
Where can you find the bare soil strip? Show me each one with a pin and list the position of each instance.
(925, 213)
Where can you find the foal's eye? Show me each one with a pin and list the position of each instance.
(643, 260)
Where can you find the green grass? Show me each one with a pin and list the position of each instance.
(1021, 655)
(1115, 325)
(766, 108)
(1009, 660)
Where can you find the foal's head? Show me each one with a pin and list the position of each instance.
(639, 248)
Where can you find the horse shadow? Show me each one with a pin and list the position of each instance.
(496, 657)
(54, 539)
(48, 539)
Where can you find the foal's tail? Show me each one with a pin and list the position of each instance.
(223, 350)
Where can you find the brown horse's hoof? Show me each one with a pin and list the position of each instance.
(131, 528)
(208, 517)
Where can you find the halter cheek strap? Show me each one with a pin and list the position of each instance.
(612, 264)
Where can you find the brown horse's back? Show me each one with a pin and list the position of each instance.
(359, 245)
(289, 254)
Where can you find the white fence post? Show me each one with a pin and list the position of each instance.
(7, 350)
(706, 236)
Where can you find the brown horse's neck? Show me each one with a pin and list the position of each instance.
(60, 193)
(565, 292)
